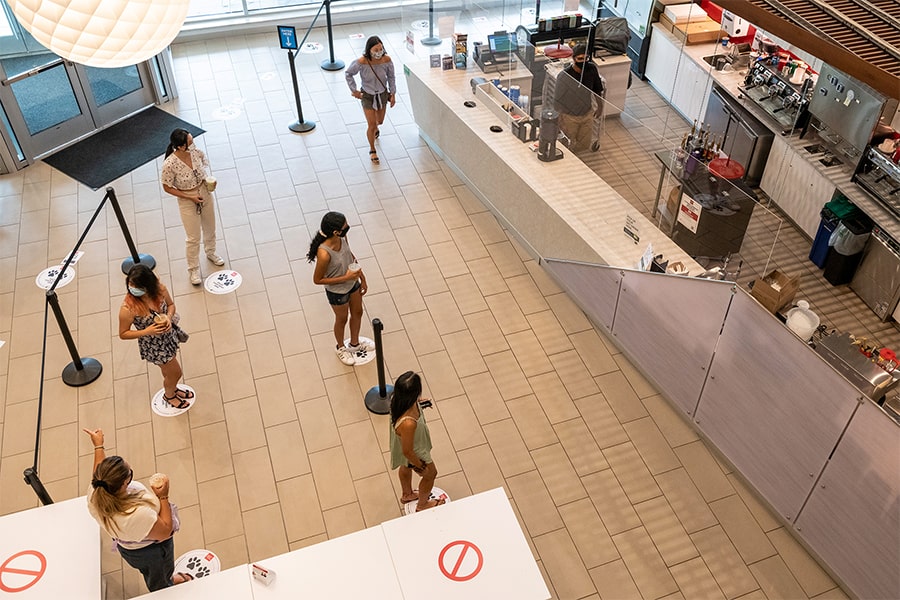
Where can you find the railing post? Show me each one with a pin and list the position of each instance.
(81, 371)
(331, 64)
(378, 398)
(144, 259)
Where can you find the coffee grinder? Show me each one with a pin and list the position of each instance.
(547, 150)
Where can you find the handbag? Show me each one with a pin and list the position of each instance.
(180, 334)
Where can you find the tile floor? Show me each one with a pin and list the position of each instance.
(617, 495)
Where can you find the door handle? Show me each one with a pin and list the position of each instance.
(32, 72)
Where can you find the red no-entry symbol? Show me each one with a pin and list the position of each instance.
(22, 571)
(453, 564)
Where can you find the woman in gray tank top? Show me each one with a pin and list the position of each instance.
(345, 284)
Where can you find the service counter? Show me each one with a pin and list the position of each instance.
(560, 209)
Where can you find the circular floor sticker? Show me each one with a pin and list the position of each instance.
(311, 48)
(436, 494)
(223, 282)
(363, 356)
(46, 277)
(227, 112)
(164, 409)
(198, 563)
(421, 25)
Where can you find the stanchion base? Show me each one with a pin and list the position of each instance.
(378, 404)
(302, 126)
(430, 41)
(144, 259)
(71, 376)
(337, 65)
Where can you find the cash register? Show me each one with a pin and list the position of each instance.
(500, 51)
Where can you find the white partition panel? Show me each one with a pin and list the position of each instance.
(669, 327)
(594, 288)
(772, 406)
(852, 519)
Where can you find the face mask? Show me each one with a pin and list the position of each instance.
(377, 54)
(344, 231)
(136, 292)
(580, 63)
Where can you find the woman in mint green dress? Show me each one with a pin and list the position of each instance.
(411, 442)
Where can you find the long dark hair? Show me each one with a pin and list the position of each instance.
(407, 390)
(371, 43)
(140, 276)
(331, 222)
(177, 139)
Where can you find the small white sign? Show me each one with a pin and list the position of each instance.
(356, 36)
(484, 19)
(160, 406)
(446, 26)
(227, 112)
(689, 213)
(75, 258)
(45, 278)
(646, 259)
(223, 282)
(198, 563)
(311, 48)
(420, 25)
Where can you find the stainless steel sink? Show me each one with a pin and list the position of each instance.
(711, 60)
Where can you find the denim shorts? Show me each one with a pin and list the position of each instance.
(338, 299)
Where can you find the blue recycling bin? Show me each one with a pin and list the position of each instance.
(827, 225)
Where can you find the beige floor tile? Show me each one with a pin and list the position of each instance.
(282, 295)
(775, 579)
(332, 477)
(665, 530)
(534, 503)
(254, 477)
(639, 383)
(486, 332)
(428, 278)
(485, 398)
(132, 396)
(480, 468)
(558, 474)
(135, 445)
(227, 332)
(444, 313)
(440, 378)
(749, 539)
(644, 563)
(612, 504)
(443, 452)
(179, 466)
(293, 335)
(704, 471)
(614, 582)
(287, 450)
(651, 445)
(760, 512)
(171, 434)
(240, 376)
(346, 399)
(255, 313)
(491, 282)
(507, 257)
(570, 316)
(377, 500)
(433, 227)
(563, 564)
(552, 397)
(464, 354)
(550, 333)
(832, 594)
(264, 531)
(724, 562)
(308, 521)
(422, 332)
(527, 295)
(404, 287)
(532, 423)
(579, 444)
(530, 353)
(574, 375)
(466, 294)
(802, 566)
(363, 453)
(686, 500)
(305, 377)
(245, 427)
(449, 260)
(509, 316)
(213, 457)
(231, 552)
(695, 580)
(621, 397)
(59, 452)
(209, 408)
(18, 431)
(96, 415)
(276, 403)
(754, 595)
(594, 544)
(190, 536)
(594, 352)
(461, 423)
(601, 421)
(342, 520)
(671, 424)
(265, 354)
(317, 423)
(508, 375)
(220, 506)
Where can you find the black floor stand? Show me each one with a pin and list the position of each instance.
(298, 126)
(378, 399)
(331, 64)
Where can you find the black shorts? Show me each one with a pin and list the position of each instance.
(337, 299)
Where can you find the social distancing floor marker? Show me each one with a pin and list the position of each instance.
(362, 356)
(198, 563)
(46, 277)
(409, 508)
(223, 282)
(164, 409)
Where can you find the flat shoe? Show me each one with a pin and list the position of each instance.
(373, 155)
(182, 402)
(431, 504)
(215, 259)
(183, 394)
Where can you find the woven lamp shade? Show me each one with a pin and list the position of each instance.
(102, 33)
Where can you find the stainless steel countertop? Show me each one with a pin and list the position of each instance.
(838, 175)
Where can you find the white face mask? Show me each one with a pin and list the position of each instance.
(376, 54)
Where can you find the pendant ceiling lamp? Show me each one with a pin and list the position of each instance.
(102, 33)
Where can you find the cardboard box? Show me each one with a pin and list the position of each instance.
(776, 290)
(666, 23)
(699, 33)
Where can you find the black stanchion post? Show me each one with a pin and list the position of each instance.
(298, 126)
(331, 64)
(431, 40)
(378, 398)
(144, 259)
(32, 479)
(81, 371)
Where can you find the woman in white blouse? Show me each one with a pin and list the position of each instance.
(184, 176)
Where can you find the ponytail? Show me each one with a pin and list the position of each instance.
(177, 139)
(169, 150)
(331, 222)
(314, 246)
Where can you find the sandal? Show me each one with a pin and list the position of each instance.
(183, 394)
(182, 402)
(373, 154)
(431, 504)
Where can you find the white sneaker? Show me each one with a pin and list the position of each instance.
(364, 345)
(346, 356)
(195, 276)
(215, 259)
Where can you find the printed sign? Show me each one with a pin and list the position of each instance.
(631, 228)
(45, 278)
(410, 42)
(689, 213)
(356, 36)
(22, 570)
(460, 560)
(311, 48)
(198, 563)
(436, 494)
(223, 282)
(287, 36)
(75, 258)
(159, 405)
